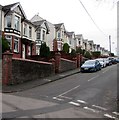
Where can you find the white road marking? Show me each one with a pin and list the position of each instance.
(65, 97)
(55, 98)
(102, 108)
(93, 78)
(109, 116)
(62, 75)
(116, 113)
(87, 108)
(69, 91)
(73, 103)
(81, 101)
(47, 80)
(105, 71)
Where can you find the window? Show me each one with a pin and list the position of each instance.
(9, 39)
(70, 42)
(30, 31)
(79, 42)
(59, 35)
(25, 29)
(43, 35)
(38, 35)
(16, 23)
(8, 21)
(16, 44)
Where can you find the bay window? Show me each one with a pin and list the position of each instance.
(16, 23)
(16, 44)
(8, 21)
(30, 31)
(9, 39)
(43, 37)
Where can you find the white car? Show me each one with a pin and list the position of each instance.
(102, 62)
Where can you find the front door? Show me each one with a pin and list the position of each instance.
(23, 51)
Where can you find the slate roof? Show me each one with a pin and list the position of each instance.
(8, 7)
(70, 33)
(58, 26)
(38, 23)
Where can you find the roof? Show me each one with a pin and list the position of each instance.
(11, 7)
(70, 33)
(38, 23)
(90, 41)
(28, 21)
(8, 7)
(58, 26)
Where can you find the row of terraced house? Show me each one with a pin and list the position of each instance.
(26, 36)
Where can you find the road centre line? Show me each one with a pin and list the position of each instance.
(109, 116)
(93, 78)
(102, 108)
(87, 108)
(116, 113)
(81, 101)
(69, 91)
(55, 98)
(73, 103)
(65, 97)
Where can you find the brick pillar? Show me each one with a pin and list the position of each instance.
(53, 63)
(80, 59)
(7, 67)
(57, 62)
(55, 47)
(77, 59)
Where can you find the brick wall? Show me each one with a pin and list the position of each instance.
(26, 70)
(66, 65)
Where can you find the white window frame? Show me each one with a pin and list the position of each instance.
(16, 22)
(43, 35)
(38, 34)
(8, 20)
(9, 39)
(25, 29)
(30, 32)
(16, 49)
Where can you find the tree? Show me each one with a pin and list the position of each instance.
(87, 55)
(96, 54)
(73, 53)
(5, 45)
(44, 50)
(79, 50)
(66, 48)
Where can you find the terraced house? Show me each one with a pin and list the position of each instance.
(26, 36)
(18, 30)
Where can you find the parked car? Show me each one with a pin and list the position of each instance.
(91, 66)
(113, 60)
(108, 62)
(102, 62)
(117, 60)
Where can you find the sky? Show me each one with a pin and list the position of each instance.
(75, 18)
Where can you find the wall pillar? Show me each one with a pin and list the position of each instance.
(57, 62)
(77, 60)
(80, 59)
(7, 67)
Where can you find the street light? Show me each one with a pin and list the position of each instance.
(110, 43)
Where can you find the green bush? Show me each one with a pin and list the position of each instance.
(66, 48)
(79, 50)
(44, 50)
(87, 55)
(96, 54)
(5, 45)
(73, 53)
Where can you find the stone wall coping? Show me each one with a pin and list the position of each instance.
(67, 60)
(32, 61)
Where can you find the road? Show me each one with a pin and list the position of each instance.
(83, 95)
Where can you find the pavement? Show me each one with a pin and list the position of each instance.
(38, 82)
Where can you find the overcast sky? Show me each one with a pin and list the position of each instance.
(75, 18)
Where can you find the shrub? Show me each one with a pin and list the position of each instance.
(87, 55)
(44, 50)
(66, 48)
(73, 53)
(5, 45)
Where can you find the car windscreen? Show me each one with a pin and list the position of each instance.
(89, 63)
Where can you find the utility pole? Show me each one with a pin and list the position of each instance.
(110, 43)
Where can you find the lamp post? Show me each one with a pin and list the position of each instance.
(110, 43)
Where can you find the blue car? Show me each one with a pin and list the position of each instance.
(91, 66)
